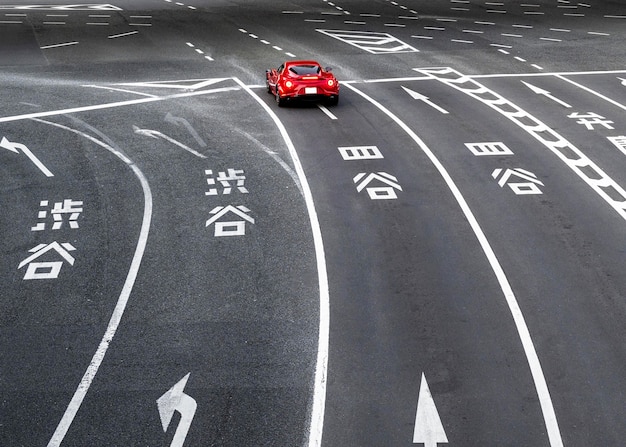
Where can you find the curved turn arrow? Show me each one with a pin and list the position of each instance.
(17, 147)
(176, 400)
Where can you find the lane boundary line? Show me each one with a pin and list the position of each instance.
(316, 416)
(536, 370)
(120, 307)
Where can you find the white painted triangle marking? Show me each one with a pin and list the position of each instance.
(428, 427)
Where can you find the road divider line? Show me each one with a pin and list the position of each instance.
(541, 386)
(111, 105)
(321, 369)
(58, 45)
(593, 92)
(120, 307)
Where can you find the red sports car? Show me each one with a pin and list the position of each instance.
(306, 80)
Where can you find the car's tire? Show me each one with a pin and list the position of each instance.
(267, 84)
(333, 101)
(280, 101)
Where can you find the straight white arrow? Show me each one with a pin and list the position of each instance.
(424, 99)
(176, 400)
(428, 427)
(157, 134)
(546, 93)
(17, 147)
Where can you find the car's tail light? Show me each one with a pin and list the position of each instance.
(288, 84)
(330, 82)
(309, 77)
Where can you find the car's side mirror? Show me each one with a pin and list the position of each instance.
(328, 68)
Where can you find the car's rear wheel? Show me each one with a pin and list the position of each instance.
(280, 101)
(333, 101)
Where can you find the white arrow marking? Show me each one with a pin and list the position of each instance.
(546, 93)
(428, 428)
(16, 147)
(424, 99)
(157, 134)
(182, 121)
(623, 81)
(176, 400)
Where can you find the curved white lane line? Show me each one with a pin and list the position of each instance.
(319, 392)
(541, 386)
(116, 317)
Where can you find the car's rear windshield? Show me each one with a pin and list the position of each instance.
(302, 70)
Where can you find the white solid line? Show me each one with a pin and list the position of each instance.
(58, 45)
(522, 329)
(321, 368)
(116, 317)
(7, 119)
(593, 92)
(115, 36)
(104, 87)
(327, 112)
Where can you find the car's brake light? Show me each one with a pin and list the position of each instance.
(288, 84)
(309, 77)
(331, 82)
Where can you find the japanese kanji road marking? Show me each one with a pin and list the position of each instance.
(552, 426)
(374, 43)
(576, 160)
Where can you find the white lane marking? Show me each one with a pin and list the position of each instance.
(115, 36)
(58, 45)
(120, 307)
(321, 368)
(607, 188)
(593, 92)
(7, 119)
(328, 113)
(541, 386)
(113, 89)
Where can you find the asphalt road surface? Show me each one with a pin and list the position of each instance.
(437, 260)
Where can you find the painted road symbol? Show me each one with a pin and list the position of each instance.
(230, 228)
(489, 148)
(428, 427)
(591, 119)
(374, 43)
(175, 400)
(619, 142)
(69, 207)
(378, 192)
(226, 179)
(520, 188)
(46, 269)
(360, 153)
(17, 147)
